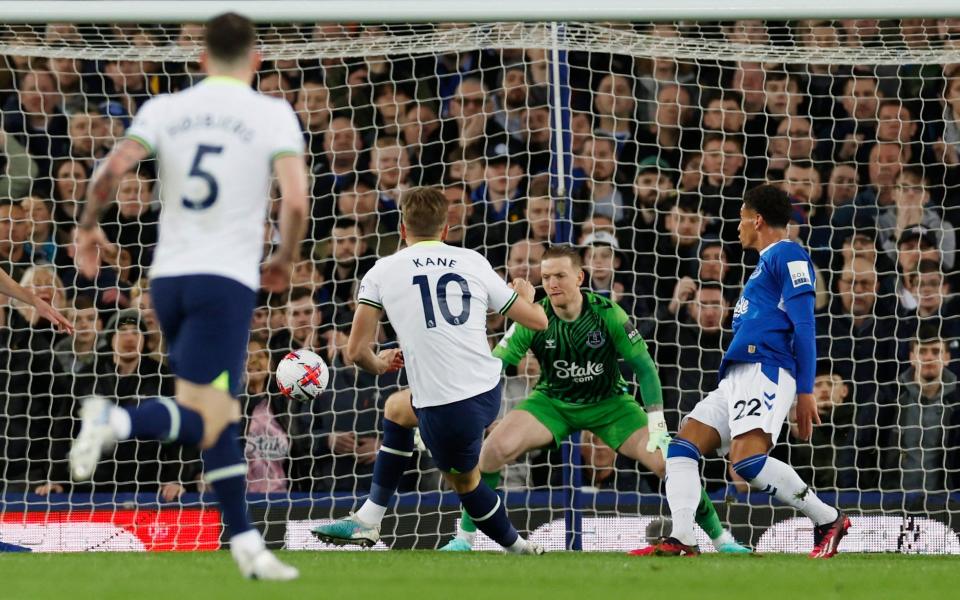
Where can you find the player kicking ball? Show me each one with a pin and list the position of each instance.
(769, 364)
(437, 297)
(218, 144)
(580, 388)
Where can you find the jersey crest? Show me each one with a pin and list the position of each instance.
(596, 339)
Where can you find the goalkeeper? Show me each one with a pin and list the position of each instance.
(580, 388)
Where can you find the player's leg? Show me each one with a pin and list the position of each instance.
(363, 528)
(521, 430)
(706, 516)
(755, 429)
(454, 435)
(706, 429)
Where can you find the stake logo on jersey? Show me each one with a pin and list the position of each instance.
(579, 359)
(762, 331)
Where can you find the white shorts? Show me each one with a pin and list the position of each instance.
(751, 396)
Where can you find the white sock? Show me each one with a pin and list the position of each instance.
(119, 421)
(780, 481)
(725, 538)
(248, 543)
(683, 496)
(467, 536)
(371, 513)
(518, 546)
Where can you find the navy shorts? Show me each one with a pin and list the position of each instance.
(205, 320)
(454, 432)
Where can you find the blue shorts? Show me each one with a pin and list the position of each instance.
(205, 320)
(454, 432)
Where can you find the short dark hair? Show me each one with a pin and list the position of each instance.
(228, 37)
(564, 251)
(83, 302)
(927, 333)
(689, 202)
(345, 223)
(771, 203)
(710, 284)
(299, 293)
(424, 211)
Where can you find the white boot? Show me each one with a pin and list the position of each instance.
(95, 438)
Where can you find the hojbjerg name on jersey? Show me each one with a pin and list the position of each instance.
(578, 373)
(225, 123)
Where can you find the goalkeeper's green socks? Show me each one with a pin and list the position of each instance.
(468, 529)
(707, 518)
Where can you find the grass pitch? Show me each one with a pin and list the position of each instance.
(425, 575)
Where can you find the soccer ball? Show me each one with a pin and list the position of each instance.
(302, 375)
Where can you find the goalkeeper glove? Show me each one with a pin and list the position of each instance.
(657, 427)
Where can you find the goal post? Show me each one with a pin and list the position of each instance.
(640, 125)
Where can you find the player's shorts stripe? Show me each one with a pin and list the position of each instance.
(282, 153)
(370, 303)
(226, 473)
(389, 450)
(509, 303)
(142, 142)
(174, 417)
(489, 514)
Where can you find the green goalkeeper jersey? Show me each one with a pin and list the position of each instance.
(579, 360)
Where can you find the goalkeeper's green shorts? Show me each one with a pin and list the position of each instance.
(613, 419)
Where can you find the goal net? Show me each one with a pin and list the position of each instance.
(634, 141)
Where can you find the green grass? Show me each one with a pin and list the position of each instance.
(425, 575)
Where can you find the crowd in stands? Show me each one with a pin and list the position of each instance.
(663, 151)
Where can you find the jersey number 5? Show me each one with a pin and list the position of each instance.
(197, 171)
(428, 315)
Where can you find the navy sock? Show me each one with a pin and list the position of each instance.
(165, 420)
(392, 459)
(226, 470)
(489, 515)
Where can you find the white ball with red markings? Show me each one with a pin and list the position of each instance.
(302, 375)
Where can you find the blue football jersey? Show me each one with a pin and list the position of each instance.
(762, 330)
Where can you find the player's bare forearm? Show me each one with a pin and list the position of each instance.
(104, 183)
(292, 175)
(363, 333)
(9, 287)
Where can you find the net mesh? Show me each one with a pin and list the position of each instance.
(859, 121)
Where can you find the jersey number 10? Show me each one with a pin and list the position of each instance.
(429, 316)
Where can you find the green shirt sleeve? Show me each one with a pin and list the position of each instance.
(514, 345)
(633, 349)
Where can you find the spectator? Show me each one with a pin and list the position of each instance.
(359, 203)
(153, 343)
(859, 332)
(458, 214)
(523, 261)
(828, 223)
(801, 181)
(886, 162)
(828, 460)
(723, 113)
(132, 224)
(931, 306)
(911, 207)
(17, 169)
(334, 171)
(77, 354)
(690, 345)
(602, 262)
(35, 119)
(472, 122)
(391, 167)
(722, 185)
(615, 105)
(390, 101)
(39, 215)
(919, 448)
(856, 123)
(278, 444)
(301, 327)
(537, 223)
(536, 133)
(599, 192)
(350, 263)
(420, 131)
(670, 137)
(793, 142)
(15, 256)
(32, 414)
(651, 188)
(676, 251)
(276, 84)
(314, 110)
(494, 200)
(69, 192)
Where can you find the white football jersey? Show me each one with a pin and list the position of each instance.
(437, 297)
(215, 144)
